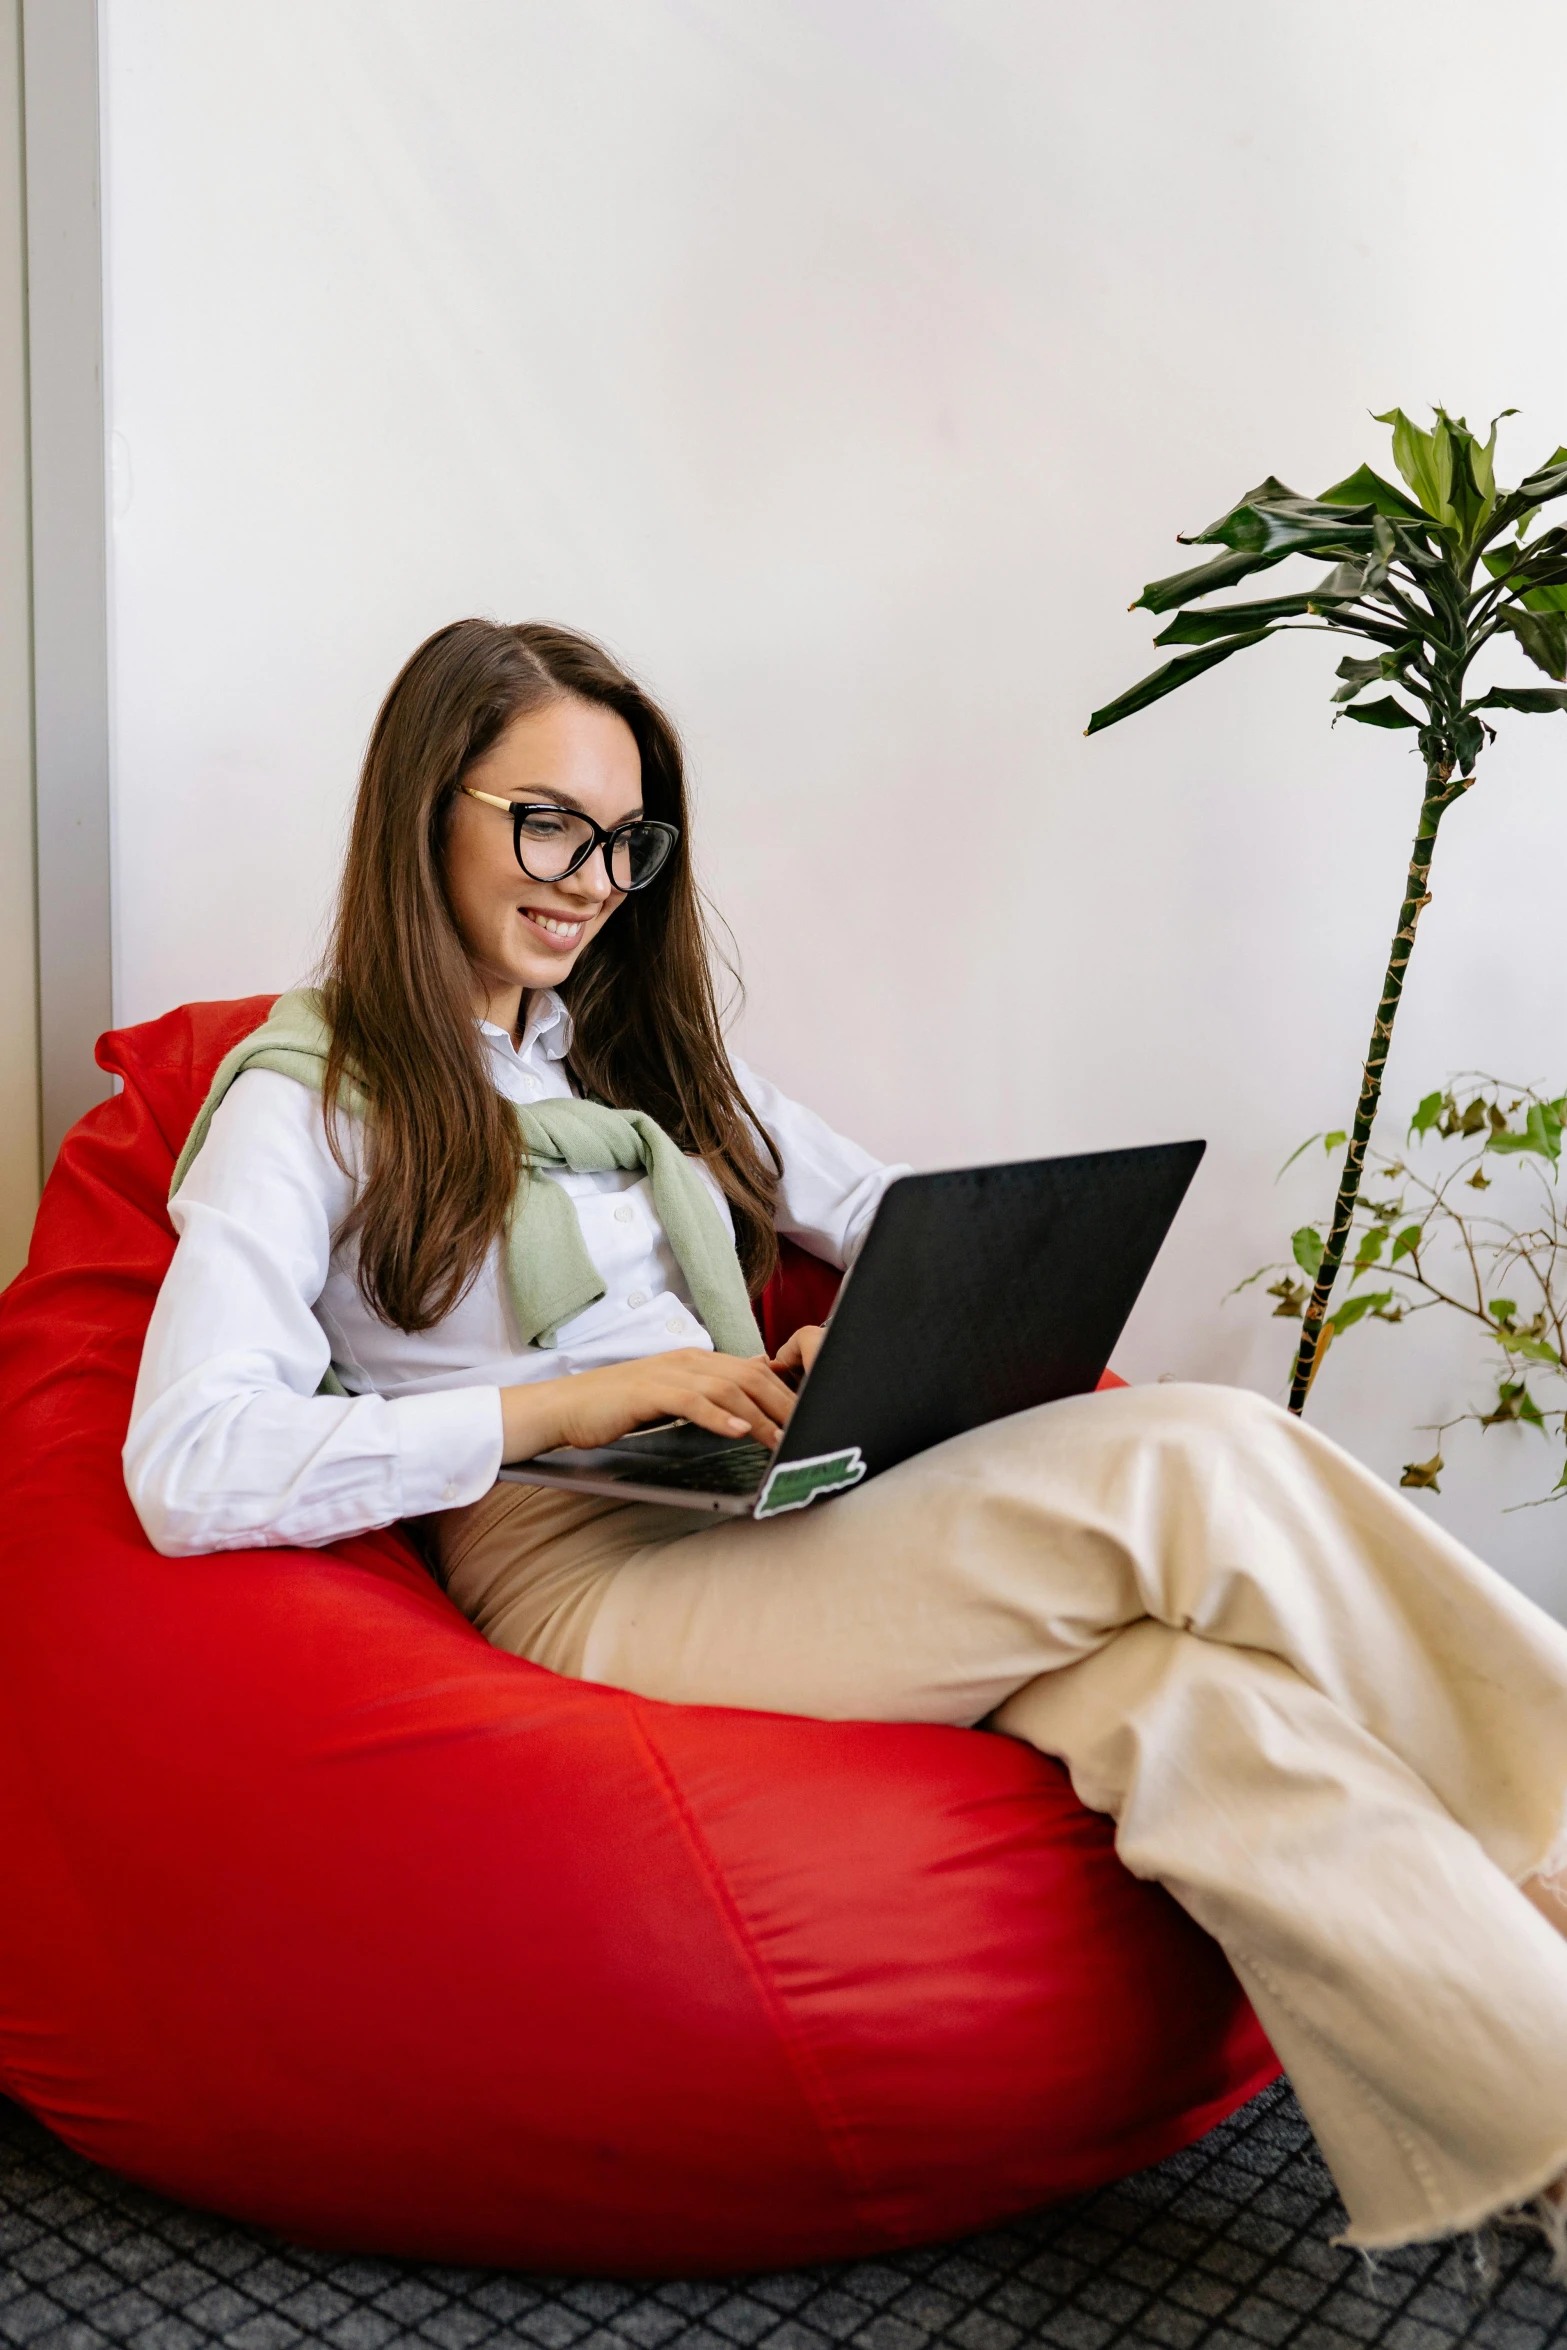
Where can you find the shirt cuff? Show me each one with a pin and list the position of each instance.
(448, 1447)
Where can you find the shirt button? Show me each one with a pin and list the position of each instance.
(448, 1493)
(638, 1297)
(622, 1215)
(675, 1324)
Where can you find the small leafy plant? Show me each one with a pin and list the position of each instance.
(1434, 1240)
(1425, 581)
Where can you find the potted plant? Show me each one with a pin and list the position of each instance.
(1424, 579)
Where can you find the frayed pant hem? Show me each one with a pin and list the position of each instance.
(1528, 2205)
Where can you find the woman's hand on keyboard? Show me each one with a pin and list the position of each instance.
(731, 1395)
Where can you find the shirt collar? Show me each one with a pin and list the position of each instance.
(546, 1032)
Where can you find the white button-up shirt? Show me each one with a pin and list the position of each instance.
(230, 1444)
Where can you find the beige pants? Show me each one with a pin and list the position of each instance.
(1335, 1736)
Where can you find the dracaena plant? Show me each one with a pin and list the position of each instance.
(1424, 579)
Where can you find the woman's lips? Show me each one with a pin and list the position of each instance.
(556, 930)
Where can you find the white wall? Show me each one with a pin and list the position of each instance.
(18, 938)
(849, 364)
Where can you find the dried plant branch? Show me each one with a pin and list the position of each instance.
(1507, 1132)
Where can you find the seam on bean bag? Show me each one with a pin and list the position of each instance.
(819, 2101)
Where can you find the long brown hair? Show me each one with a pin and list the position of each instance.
(444, 1154)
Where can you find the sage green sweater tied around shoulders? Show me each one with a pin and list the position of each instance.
(550, 1275)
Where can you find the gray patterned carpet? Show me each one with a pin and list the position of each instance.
(1228, 2244)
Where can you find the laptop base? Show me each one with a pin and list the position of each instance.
(679, 1465)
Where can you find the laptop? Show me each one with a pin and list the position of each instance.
(979, 1292)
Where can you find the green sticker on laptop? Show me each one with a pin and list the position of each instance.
(795, 1483)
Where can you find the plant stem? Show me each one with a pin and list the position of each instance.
(1442, 788)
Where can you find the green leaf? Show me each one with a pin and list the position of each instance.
(1529, 572)
(1451, 472)
(1183, 587)
(1426, 468)
(1307, 1248)
(1504, 1308)
(1543, 636)
(1345, 1317)
(1201, 628)
(1386, 712)
(1542, 1134)
(1536, 489)
(1345, 579)
(1469, 737)
(1543, 599)
(1534, 1350)
(1536, 700)
(1331, 1142)
(1271, 517)
(1539, 567)
(1482, 459)
(1365, 488)
(1165, 681)
(1427, 1114)
(1370, 1249)
(1529, 1410)
(1407, 1243)
(1513, 1403)
(1474, 473)
(1359, 674)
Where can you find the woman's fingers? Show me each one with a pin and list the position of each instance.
(728, 1395)
(799, 1351)
(763, 1384)
(769, 1395)
(746, 1394)
(715, 1419)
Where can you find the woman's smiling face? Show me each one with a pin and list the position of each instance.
(522, 934)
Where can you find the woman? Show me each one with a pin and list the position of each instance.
(435, 1218)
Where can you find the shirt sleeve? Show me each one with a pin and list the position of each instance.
(829, 1189)
(230, 1446)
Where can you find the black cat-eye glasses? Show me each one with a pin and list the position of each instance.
(552, 842)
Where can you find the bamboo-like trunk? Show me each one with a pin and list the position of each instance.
(1442, 789)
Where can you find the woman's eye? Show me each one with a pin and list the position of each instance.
(543, 824)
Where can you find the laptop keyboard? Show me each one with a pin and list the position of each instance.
(738, 1468)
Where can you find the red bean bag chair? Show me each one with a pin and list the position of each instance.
(321, 1912)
